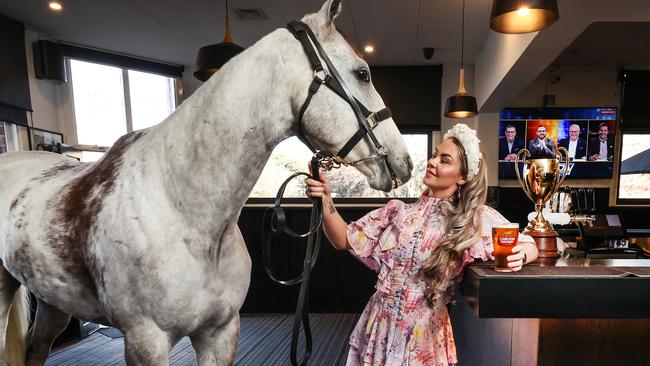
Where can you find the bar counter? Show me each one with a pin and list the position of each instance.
(576, 311)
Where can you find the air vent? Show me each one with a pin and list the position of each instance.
(250, 14)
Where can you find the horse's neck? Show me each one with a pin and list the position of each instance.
(217, 143)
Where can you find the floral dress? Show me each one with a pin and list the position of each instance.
(399, 326)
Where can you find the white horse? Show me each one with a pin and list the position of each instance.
(146, 239)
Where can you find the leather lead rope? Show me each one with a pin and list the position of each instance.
(314, 235)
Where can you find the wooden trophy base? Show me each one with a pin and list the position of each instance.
(547, 245)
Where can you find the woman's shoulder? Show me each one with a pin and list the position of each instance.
(490, 214)
(486, 210)
(395, 203)
(388, 211)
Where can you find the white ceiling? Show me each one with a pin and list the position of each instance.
(173, 30)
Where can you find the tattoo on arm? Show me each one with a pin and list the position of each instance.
(332, 209)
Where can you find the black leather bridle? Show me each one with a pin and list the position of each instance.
(332, 79)
(321, 159)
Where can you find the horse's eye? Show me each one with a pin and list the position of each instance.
(363, 75)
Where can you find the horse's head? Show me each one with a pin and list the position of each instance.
(329, 121)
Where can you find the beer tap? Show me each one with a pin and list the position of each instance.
(593, 201)
(577, 200)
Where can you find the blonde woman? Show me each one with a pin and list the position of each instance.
(419, 251)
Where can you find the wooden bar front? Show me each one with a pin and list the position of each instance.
(578, 312)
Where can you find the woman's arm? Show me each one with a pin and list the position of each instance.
(333, 224)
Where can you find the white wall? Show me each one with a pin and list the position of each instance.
(497, 57)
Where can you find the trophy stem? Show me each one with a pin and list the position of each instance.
(545, 237)
(539, 223)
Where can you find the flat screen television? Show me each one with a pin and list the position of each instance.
(587, 133)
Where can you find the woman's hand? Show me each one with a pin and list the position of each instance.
(516, 259)
(320, 188)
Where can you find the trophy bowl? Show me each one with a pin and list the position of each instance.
(540, 179)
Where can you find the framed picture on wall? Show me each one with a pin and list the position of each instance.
(13, 137)
(45, 140)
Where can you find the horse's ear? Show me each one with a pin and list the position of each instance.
(330, 10)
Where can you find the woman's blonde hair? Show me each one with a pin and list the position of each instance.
(462, 231)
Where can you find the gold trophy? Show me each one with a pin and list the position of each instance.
(541, 179)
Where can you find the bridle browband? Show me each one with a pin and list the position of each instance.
(331, 78)
(321, 159)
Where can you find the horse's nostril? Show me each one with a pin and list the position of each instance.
(409, 162)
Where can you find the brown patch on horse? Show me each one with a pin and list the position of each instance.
(44, 176)
(20, 197)
(22, 259)
(82, 201)
(54, 171)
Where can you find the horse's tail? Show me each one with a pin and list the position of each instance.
(17, 325)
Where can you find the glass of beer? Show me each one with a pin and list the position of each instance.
(504, 238)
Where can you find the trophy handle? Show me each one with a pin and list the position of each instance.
(522, 154)
(565, 171)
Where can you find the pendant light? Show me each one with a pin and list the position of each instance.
(212, 57)
(461, 104)
(523, 16)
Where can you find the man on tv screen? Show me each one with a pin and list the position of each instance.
(576, 146)
(510, 144)
(541, 147)
(602, 147)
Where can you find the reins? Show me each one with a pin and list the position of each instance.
(277, 223)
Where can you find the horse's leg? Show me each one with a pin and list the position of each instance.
(49, 323)
(217, 346)
(8, 287)
(146, 344)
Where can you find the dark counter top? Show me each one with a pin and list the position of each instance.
(571, 288)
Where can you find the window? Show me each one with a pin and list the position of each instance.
(111, 101)
(634, 177)
(13, 137)
(292, 156)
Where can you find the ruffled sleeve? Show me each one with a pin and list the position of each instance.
(483, 249)
(373, 234)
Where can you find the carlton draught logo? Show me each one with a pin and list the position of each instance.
(507, 238)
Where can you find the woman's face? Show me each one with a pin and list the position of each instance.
(443, 168)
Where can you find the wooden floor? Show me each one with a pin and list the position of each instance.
(265, 339)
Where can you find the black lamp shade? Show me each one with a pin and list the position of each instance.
(211, 58)
(506, 18)
(461, 106)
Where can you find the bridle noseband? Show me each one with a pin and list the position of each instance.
(331, 78)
